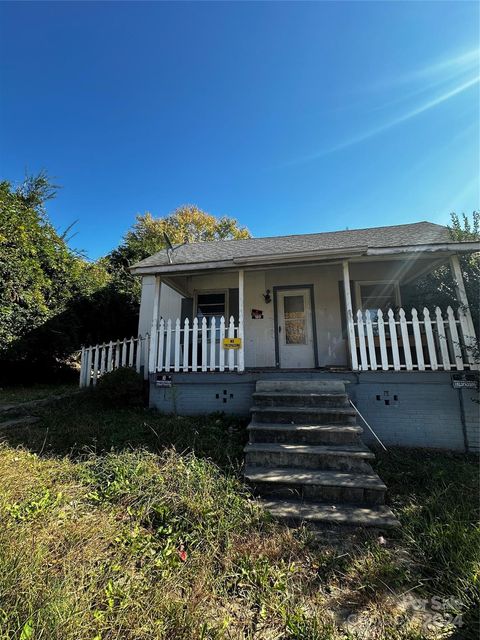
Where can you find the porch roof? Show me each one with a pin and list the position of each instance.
(419, 236)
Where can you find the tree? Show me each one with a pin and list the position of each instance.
(188, 223)
(40, 278)
(437, 288)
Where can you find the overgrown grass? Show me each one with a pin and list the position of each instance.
(127, 537)
(19, 394)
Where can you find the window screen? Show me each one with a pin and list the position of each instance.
(378, 295)
(210, 304)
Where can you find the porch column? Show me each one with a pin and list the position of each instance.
(461, 292)
(152, 356)
(348, 306)
(241, 302)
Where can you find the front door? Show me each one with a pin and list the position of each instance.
(295, 329)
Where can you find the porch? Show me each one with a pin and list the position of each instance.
(326, 315)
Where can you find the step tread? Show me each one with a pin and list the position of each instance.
(309, 409)
(354, 450)
(308, 428)
(353, 515)
(312, 477)
(297, 394)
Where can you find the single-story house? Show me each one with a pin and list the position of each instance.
(317, 306)
(223, 315)
(316, 337)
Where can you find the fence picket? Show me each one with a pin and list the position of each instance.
(241, 350)
(117, 355)
(168, 345)
(393, 340)
(110, 356)
(455, 342)
(221, 351)
(176, 350)
(95, 365)
(160, 346)
(131, 346)
(213, 342)
(442, 338)
(371, 342)
(231, 352)
(88, 372)
(186, 343)
(82, 368)
(103, 358)
(204, 344)
(405, 341)
(195, 344)
(124, 353)
(361, 341)
(418, 340)
(432, 354)
(382, 340)
(146, 353)
(138, 355)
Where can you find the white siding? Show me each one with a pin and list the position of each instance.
(170, 304)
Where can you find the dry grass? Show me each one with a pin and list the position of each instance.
(136, 544)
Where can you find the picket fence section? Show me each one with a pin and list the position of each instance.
(391, 341)
(196, 346)
(102, 358)
(421, 342)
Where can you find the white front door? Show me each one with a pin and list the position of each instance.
(295, 329)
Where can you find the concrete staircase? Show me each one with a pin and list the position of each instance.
(305, 457)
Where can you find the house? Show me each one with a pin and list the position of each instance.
(317, 306)
(314, 335)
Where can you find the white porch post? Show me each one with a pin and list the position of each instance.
(241, 302)
(350, 327)
(152, 356)
(461, 292)
(470, 339)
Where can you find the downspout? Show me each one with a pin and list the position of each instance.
(463, 421)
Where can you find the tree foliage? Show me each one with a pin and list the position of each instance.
(52, 299)
(438, 288)
(188, 223)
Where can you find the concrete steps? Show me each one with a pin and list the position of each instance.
(306, 459)
(317, 513)
(347, 457)
(303, 415)
(304, 433)
(291, 399)
(321, 486)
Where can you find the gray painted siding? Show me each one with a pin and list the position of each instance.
(405, 409)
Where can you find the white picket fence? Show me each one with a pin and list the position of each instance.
(102, 358)
(419, 343)
(198, 347)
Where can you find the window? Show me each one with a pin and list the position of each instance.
(211, 305)
(378, 295)
(295, 321)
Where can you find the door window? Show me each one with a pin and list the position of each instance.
(295, 320)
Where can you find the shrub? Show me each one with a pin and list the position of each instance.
(121, 388)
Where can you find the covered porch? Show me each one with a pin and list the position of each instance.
(350, 314)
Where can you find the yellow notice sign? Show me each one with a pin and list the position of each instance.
(232, 343)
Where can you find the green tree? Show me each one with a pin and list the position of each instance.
(40, 276)
(437, 288)
(187, 223)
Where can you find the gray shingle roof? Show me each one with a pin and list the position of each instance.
(402, 235)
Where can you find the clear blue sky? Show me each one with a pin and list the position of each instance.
(292, 117)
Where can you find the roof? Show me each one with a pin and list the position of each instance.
(335, 242)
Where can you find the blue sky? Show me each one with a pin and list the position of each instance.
(292, 117)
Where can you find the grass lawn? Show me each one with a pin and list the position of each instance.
(18, 394)
(124, 524)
